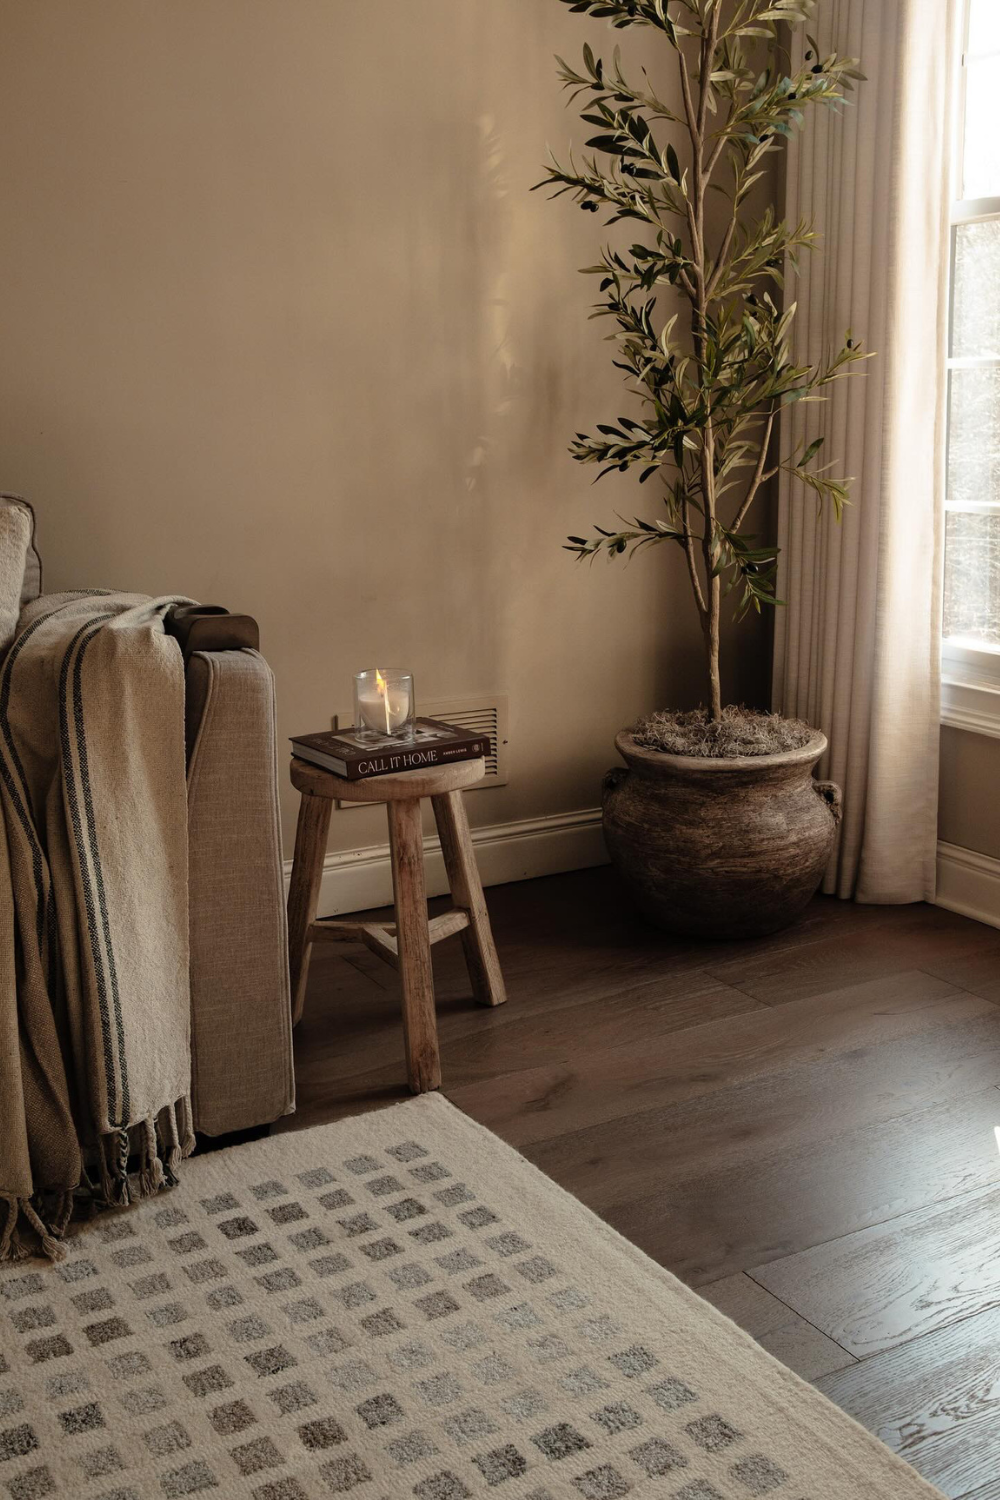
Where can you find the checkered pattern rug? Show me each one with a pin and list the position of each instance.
(394, 1306)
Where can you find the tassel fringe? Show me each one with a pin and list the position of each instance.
(50, 1245)
(11, 1245)
(157, 1146)
(151, 1177)
(171, 1144)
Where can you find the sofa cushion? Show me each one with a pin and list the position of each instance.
(32, 585)
(16, 527)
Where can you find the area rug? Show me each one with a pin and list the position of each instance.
(395, 1305)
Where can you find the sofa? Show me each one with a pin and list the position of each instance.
(242, 1072)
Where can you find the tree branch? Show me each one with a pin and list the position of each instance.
(707, 57)
(688, 285)
(689, 554)
(686, 94)
(696, 245)
(713, 160)
(720, 261)
(759, 477)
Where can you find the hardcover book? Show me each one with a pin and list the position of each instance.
(354, 753)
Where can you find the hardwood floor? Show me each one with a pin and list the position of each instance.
(803, 1127)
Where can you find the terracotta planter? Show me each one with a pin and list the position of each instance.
(720, 848)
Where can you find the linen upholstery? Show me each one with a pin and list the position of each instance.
(31, 582)
(241, 1018)
(15, 542)
(857, 649)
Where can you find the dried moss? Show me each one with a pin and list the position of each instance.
(740, 732)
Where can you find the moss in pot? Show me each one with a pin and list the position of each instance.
(716, 824)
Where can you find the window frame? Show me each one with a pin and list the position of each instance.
(970, 671)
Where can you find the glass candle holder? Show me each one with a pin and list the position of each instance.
(383, 703)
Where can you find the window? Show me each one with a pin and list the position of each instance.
(972, 519)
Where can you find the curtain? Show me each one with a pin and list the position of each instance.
(857, 645)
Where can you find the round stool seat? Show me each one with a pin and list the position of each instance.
(426, 781)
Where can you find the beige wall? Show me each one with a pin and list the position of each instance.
(283, 328)
(969, 805)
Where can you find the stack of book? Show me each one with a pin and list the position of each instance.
(356, 753)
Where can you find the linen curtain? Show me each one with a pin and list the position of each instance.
(857, 645)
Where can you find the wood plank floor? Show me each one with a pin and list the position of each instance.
(805, 1127)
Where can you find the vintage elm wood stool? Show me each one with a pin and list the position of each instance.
(406, 943)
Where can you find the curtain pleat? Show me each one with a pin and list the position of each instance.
(857, 643)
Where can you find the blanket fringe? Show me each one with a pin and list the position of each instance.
(170, 1145)
(12, 1246)
(62, 1212)
(185, 1120)
(50, 1245)
(157, 1146)
(151, 1178)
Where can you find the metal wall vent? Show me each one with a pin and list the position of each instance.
(485, 714)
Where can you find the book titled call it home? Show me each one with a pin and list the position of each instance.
(356, 753)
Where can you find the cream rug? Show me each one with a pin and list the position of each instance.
(392, 1306)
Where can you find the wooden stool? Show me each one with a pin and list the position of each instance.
(406, 943)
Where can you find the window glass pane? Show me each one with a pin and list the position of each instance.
(972, 576)
(974, 436)
(984, 26)
(981, 171)
(972, 521)
(975, 327)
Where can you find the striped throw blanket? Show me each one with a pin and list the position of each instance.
(95, 1058)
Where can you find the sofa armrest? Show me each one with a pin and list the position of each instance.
(240, 1009)
(210, 627)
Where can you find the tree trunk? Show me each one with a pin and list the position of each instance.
(712, 620)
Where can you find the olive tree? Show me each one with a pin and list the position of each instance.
(712, 379)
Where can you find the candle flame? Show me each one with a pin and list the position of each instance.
(382, 688)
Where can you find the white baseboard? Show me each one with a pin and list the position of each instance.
(969, 883)
(354, 879)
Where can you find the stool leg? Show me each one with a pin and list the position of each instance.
(303, 891)
(467, 892)
(423, 1062)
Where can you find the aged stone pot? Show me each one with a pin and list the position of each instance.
(720, 848)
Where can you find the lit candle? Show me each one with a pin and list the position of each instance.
(384, 701)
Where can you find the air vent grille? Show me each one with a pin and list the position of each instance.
(479, 721)
(486, 714)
